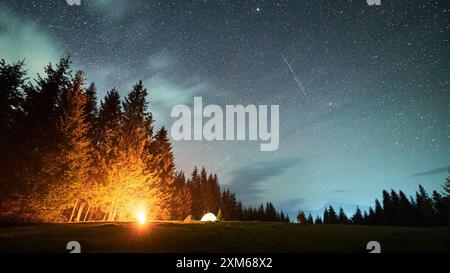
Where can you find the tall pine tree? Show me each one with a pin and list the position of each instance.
(69, 190)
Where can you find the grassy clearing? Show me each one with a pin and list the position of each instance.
(235, 237)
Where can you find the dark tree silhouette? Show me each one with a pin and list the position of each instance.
(310, 219)
(357, 218)
(378, 218)
(424, 207)
(370, 219)
(440, 208)
(332, 217)
(387, 216)
(181, 199)
(447, 198)
(301, 219)
(342, 218)
(405, 211)
(12, 95)
(318, 221)
(325, 216)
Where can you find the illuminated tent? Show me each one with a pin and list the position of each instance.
(209, 217)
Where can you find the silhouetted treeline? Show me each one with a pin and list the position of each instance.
(66, 157)
(266, 213)
(201, 193)
(395, 209)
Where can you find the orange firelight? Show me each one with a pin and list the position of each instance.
(140, 212)
(141, 218)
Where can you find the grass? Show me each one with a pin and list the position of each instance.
(230, 237)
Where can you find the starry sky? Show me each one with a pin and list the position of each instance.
(376, 114)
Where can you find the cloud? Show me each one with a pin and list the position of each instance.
(21, 40)
(167, 91)
(245, 181)
(161, 76)
(444, 169)
(291, 205)
(160, 62)
(114, 9)
(340, 191)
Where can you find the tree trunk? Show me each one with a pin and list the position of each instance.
(80, 212)
(110, 211)
(93, 210)
(104, 217)
(87, 213)
(73, 211)
(113, 214)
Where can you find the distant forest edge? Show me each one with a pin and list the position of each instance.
(396, 209)
(64, 157)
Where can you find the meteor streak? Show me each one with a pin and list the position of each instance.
(297, 80)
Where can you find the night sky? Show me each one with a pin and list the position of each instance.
(376, 114)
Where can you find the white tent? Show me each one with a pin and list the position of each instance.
(209, 217)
